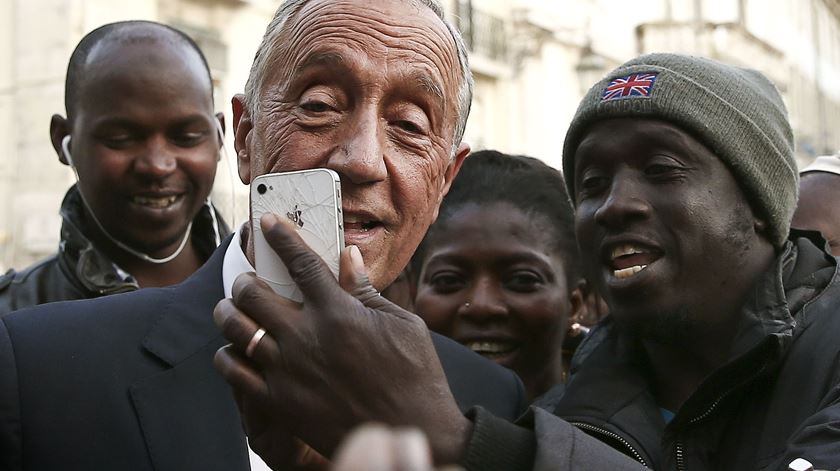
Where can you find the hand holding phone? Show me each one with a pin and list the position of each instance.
(311, 200)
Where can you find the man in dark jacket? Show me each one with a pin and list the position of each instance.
(127, 381)
(144, 146)
(721, 352)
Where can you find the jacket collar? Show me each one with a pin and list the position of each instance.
(91, 268)
(801, 271)
(185, 323)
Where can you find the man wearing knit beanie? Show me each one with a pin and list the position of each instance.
(736, 113)
(721, 351)
(819, 200)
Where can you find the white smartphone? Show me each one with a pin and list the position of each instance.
(311, 199)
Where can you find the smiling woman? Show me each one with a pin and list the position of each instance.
(498, 271)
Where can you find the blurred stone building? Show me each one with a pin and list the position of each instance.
(532, 60)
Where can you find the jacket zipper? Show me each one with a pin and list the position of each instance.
(591, 428)
(680, 457)
(714, 405)
(680, 453)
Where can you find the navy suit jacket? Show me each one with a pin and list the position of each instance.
(127, 382)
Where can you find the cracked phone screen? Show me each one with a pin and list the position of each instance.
(310, 200)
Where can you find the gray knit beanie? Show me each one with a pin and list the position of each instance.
(736, 113)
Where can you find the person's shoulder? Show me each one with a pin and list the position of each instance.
(131, 314)
(67, 340)
(63, 320)
(14, 277)
(6, 280)
(24, 288)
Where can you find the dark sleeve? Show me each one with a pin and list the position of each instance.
(562, 446)
(496, 444)
(10, 433)
(541, 442)
(818, 438)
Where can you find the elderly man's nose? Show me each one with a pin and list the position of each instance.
(359, 157)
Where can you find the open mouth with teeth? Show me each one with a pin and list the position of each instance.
(492, 349)
(627, 260)
(156, 202)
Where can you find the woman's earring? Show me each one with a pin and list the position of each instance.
(576, 330)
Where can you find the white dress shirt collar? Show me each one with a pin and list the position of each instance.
(235, 262)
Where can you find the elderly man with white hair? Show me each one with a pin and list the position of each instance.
(379, 92)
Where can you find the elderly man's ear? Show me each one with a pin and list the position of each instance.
(242, 126)
(452, 171)
(455, 165)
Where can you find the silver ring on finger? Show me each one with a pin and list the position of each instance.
(255, 340)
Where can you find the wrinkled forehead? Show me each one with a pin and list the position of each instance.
(399, 31)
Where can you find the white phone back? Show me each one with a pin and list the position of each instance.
(311, 199)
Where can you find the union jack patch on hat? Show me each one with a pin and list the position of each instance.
(634, 85)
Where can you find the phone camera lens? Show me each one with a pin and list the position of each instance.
(261, 189)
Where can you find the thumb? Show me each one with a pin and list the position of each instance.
(353, 276)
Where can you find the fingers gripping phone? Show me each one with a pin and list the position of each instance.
(311, 200)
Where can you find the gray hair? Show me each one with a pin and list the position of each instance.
(274, 33)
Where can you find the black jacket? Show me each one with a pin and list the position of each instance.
(777, 399)
(126, 382)
(79, 271)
